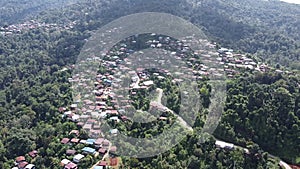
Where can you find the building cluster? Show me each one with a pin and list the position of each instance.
(21, 162)
(233, 63)
(32, 24)
(99, 96)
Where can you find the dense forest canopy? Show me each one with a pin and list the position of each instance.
(268, 29)
(13, 11)
(262, 108)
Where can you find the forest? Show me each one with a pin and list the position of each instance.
(262, 108)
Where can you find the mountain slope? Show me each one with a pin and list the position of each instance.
(12, 11)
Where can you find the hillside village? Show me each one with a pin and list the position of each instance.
(30, 25)
(90, 110)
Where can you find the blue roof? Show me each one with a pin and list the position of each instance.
(89, 150)
(107, 81)
(98, 167)
(90, 141)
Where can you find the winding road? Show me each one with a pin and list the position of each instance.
(186, 125)
(180, 119)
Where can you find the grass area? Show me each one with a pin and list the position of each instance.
(298, 160)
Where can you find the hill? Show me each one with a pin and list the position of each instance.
(13, 11)
(36, 65)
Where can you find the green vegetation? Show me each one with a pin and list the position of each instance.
(262, 109)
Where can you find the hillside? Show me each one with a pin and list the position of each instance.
(266, 29)
(261, 111)
(14, 11)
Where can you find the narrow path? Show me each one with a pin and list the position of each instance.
(180, 119)
(281, 163)
(136, 85)
(106, 155)
(183, 123)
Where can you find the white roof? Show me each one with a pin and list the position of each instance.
(114, 118)
(65, 161)
(73, 105)
(148, 83)
(114, 131)
(29, 166)
(78, 156)
(75, 117)
(223, 144)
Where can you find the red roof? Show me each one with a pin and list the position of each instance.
(33, 153)
(105, 142)
(124, 118)
(92, 107)
(75, 140)
(61, 109)
(70, 152)
(114, 112)
(102, 163)
(80, 124)
(65, 140)
(90, 121)
(71, 166)
(20, 159)
(113, 149)
(102, 150)
(99, 141)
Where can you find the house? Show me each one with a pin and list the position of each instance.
(98, 167)
(113, 149)
(70, 152)
(64, 162)
(22, 164)
(124, 118)
(223, 50)
(75, 118)
(88, 150)
(114, 131)
(71, 166)
(221, 144)
(75, 140)
(105, 143)
(112, 112)
(61, 109)
(94, 133)
(102, 150)
(65, 140)
(82, 141)
(98, 142)
(80, 124)
(148, 83)
(114, 118)
(90, 141)
(98, 127)
(20, 159)
(73, 106)
(30, 166)
(33, 153)
(163, 118)
(102, 163)
(87, 126)
(77, 158)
